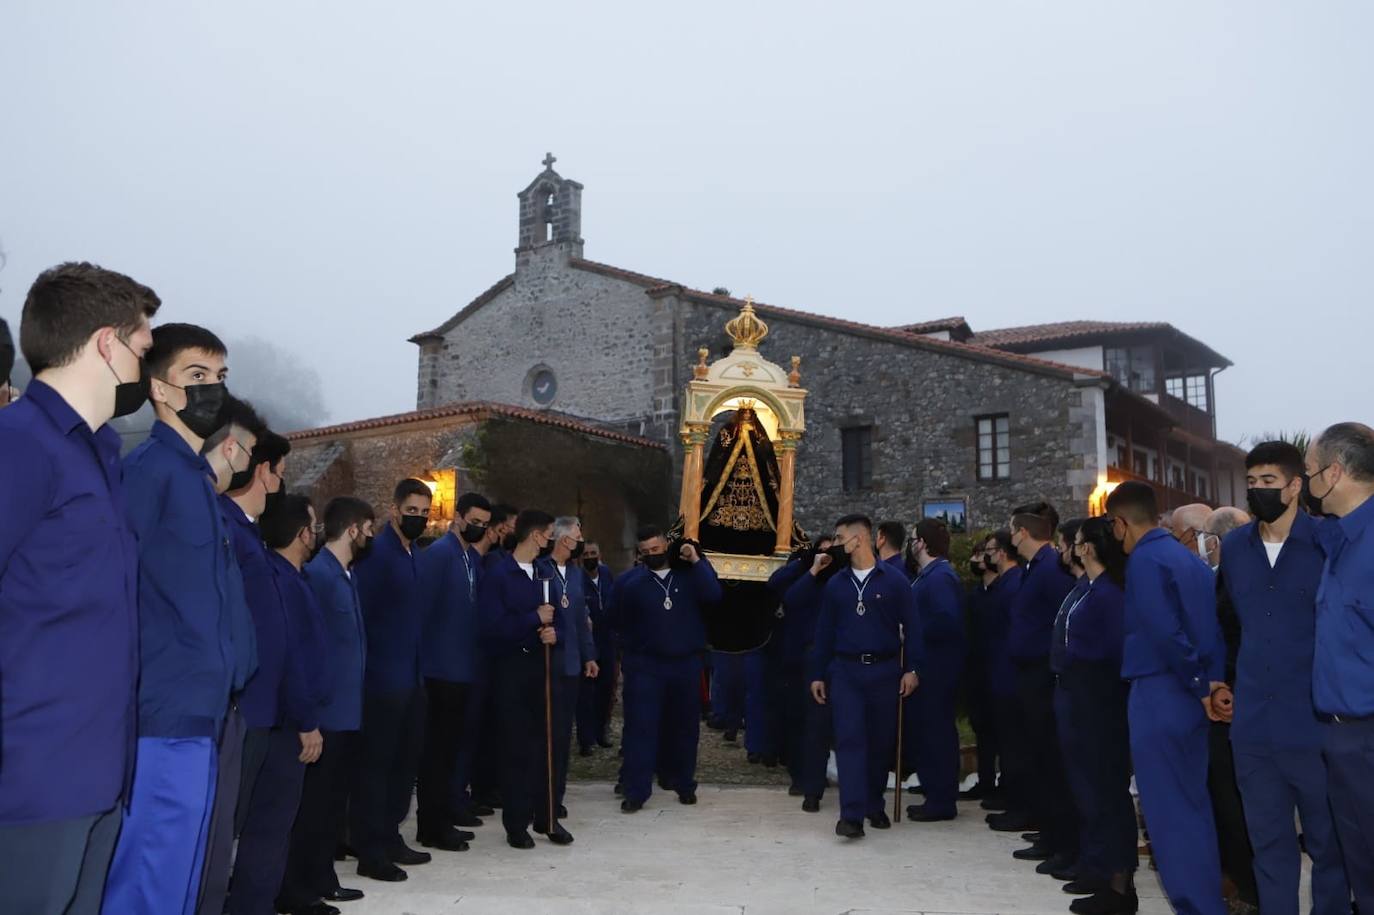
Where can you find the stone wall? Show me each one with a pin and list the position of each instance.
(921, 405)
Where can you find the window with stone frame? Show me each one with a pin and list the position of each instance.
(994, 446)
(856, 451)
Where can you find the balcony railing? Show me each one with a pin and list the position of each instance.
(1189, 417)
(1169, 497)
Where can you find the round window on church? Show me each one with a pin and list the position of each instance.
(543, 387)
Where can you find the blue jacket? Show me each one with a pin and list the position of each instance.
(260, 701)
(1092, 626)
(68, 614)
(388, 587)
(570, 581)
(995, 625)
(192, 618)
(1059, 657)
(1171, 615)
(599, 611)
(309, 679)
(509, 601)
(451, 642)
(898, 563)
(1277, 608)
(647, 627)
(345, 641)
(939, 595)
(799, 610)
(1044, 585)
(889, 615)
(1343, 668)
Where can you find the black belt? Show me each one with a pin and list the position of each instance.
(867, 657)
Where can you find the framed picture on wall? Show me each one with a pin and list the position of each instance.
(954, 512)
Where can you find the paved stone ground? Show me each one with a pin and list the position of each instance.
(742, 850)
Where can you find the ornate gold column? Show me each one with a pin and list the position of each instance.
(693, 454)
(787, 462)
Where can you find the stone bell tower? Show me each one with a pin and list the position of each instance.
(550, 215)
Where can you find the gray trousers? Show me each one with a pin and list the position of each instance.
(219, 850)
(59, 867)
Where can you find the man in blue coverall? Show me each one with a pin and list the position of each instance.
(1174, 658)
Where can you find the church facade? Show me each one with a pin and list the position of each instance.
(902, 422)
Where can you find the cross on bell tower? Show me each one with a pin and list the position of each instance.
(550, 212)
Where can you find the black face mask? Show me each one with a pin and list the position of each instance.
(655, 561)
(412, 526)
(361, 552)
(509, 543)
(591, 563)
(239, 479)
(976, 566)
(130, 396)
(274, 498)
(474, 532)
(838, 557)
(1311, 500)
(204, 403)
(577, 550)
(1266, 504)
(546, 549)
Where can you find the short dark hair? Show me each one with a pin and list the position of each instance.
(894, 532)
(472, 500)
(935, 534)
(343, 512)
(1039, 519)
(1069, 529)
(1097, 532)
(502, 511)
(1001, 540)
(1134, 501)
(71, 301)
(171, 340)
(271, 448)
(283, 520)
(648, 532)
(1352, 446)
(234, 413)
(1283, 455)
(6, 352)
(856, 518)
(410, 487)
(530, 519)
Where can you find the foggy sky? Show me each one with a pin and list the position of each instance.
(338, 176)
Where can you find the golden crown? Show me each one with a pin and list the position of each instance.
(746, 328)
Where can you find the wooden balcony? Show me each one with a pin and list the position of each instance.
(1169, 497)
(1188, 417)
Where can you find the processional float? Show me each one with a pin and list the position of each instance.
(743, 418)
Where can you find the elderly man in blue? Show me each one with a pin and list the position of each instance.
(658, 611)
(450, 659)
(68, 583)
(1174, 657)
(868, 650)
(573, 659)
(1272, 568)
(195, 634)
(594, 700)
(310, 877)
(1340, 470)
(518, 621)
(939, 595)
(393, 694)
(273, 774)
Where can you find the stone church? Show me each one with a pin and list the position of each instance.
(928, 419)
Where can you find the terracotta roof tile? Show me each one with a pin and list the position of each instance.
(477, 411)
(932, 327)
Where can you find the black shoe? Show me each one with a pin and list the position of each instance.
(384, 871)
(1106, 902)
(448, 840)
(342, 851)
(1057, 862)
(770, 761)
(687, 797)
(562, 812)
(994, 802)
(812, 805)
(976, 793)
(1030, 837)
(315, 908)
(404, 854)
(795, 791)
(629, 806)
(754, 759)
(470, 820)
(849, 829)
(1033, 853)
(730, 735)
(342, 894)
(880, 820)
(619, 789)
(604, 744)
(920, 814)
(1066, 874)
(1009, 822)
(664, 784)
(560, 836)
(480, 810)
(521, 840)
(584, 751)
(1085, 886)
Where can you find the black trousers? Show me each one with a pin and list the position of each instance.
(1048, 789)
(267, 808)
(982, 717)
(320, 821)
(1096, 742)
(446, 720)
(393, 733)
(565, 695)
(57, 867)
(486, 761)
(1233, 837)
(518, 687)
(1014, 756)
(595, 699)
(219, 847)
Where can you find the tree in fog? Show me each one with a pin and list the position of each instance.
(281, 385)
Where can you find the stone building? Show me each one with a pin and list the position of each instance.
(922, 419)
